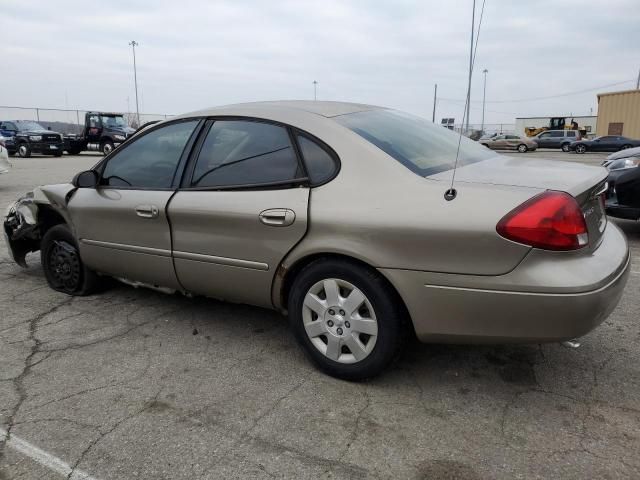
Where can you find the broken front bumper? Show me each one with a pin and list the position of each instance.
(21, 231)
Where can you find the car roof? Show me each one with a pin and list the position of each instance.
(321, 108)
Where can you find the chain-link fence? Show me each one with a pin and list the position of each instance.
(68, 121)
(477, 130)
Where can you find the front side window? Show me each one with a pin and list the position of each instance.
(239, 152)
(321, 165)
(420, 145)
(149, 161)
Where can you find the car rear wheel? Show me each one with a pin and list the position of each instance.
(565, 147)
(62, 265)
(624, 147)
(57, 154)
(345, 318)
(24, 151)
(522, 148)
(580, 148)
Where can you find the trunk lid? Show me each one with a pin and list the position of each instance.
(587, 184)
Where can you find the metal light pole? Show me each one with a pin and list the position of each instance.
(638, 82)
(484, 95)
(315, 93)
(134, 44)
(435, 99)
(473, 27)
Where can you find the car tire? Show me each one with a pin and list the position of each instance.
(106, 147)
(24, 151)
(74, 151)
(580, 148)
(62, 265)
(57, 154)
(328, 333)
(565, 147)
(522, 148)
(624, 147)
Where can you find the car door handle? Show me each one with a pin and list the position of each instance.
(277, 217)
(147, 211)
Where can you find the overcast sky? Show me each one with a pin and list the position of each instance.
(195, 54)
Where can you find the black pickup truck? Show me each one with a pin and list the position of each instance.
(102, 132)
(25, 137)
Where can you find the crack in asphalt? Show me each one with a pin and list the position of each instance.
(18, 381)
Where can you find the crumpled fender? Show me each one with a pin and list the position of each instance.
(24, 222)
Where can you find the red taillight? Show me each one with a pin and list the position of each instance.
(551, 220)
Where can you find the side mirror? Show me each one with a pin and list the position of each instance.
(86, 179)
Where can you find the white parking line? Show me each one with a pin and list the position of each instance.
(43, 458)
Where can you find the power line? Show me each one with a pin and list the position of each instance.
(567, 94)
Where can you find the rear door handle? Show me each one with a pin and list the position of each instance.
(147, 211)
(277, 217)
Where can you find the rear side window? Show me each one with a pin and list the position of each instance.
(321, 165)
(571, 133)
(149, 161)
(238, 152)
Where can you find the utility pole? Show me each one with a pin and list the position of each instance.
(315, 93)
(484, 96)
(473, 27)
(435, 99)
(638, 82)
(134, 44)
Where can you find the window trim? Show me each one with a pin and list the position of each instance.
(177, 174)
(187, 177)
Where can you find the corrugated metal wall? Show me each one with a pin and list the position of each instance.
(619, 107)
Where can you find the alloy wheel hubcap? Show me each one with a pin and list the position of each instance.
(22, 150)
(106, 149)
(340, 321)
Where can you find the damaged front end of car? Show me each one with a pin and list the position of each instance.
(21, 229)
(27, 219)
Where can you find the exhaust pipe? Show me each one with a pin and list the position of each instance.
(575, 343)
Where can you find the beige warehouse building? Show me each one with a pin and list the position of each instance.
(619, 113)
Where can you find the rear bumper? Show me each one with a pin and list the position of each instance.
(547, 298)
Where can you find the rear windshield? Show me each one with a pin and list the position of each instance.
(420, 145)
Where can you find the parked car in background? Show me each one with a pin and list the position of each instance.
(30, 137)
(607, 143)
(623, 195)
(4, 157)
(509, 142)
(335, 213)
(556, 139)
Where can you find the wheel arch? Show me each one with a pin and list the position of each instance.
(286, 275)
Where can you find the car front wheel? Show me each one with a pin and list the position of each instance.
(581, 148)
(522, 148)
(62, 265)
(24, 151)
(345, 318)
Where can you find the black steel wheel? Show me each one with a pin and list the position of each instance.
(63, 267)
